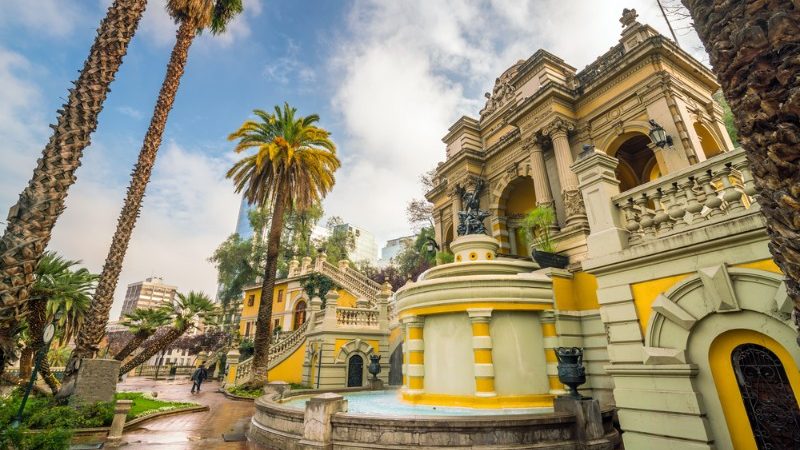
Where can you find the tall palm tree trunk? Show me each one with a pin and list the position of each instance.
(26, 362)
(156, 346)
(755, 51)
(132, 345)
(93, 331)
(31, 219)
(264, 317)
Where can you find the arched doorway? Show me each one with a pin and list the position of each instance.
(355, 371)
(299, 314)
(637, 162)
(517, 200)
(768, 397)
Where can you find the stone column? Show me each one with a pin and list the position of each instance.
(415, 349)
(541, 183)
(598, 185)
(315, 309)
(455, 209)
(558, 131)
(121, 408)
(482, 351)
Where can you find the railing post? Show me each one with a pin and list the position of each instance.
(383, 306)
(232, 361)
(598, 185)
(294, 264)
(306, 265)
(121, 408)
(331, 302)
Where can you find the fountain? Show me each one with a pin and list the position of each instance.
(474, 369)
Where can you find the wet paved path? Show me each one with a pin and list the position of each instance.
(199, 430)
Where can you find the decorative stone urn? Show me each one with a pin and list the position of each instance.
(570, 369)
(374, 366)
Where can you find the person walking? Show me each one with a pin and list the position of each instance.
(200, 374)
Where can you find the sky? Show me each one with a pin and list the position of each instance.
(387, 78)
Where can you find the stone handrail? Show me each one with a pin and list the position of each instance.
(285, 346)
(715, 190)
(351, 280)
(357, 317)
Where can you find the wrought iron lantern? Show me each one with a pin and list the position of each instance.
(431, 245)
(374, 367)
(570, 369)
(659, 135)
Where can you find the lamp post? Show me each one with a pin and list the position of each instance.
(431, 245)
(659, 135)
(47, 337)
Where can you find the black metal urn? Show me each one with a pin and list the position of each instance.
(374, 366)
(570, 369)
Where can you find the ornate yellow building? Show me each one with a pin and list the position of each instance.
(670, 288)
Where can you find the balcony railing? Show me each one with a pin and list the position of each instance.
(357, 317)
(713, 191)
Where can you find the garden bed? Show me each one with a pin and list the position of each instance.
(48, 425)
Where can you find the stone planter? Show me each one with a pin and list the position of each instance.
(546, 259)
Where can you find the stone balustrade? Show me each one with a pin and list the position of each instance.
(711, 191)
(277, 350)
(351, 280)
(719, 189)
(357, 317)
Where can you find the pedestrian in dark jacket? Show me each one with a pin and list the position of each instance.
(200, 374)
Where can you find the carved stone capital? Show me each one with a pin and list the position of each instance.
(532, 143)
(558, 126)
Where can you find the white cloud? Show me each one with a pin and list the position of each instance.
(408, 69)
(133, 113)
(288, 68)
(188, 210)
(23, 127)
(51, 17)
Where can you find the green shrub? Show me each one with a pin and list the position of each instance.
(243, 391)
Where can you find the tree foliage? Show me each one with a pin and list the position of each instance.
(339, 243)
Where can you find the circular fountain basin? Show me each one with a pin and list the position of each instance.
(388, 403)
(380, 420)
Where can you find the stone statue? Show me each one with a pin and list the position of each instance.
(470, 220)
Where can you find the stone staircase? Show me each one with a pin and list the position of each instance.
(278, 351)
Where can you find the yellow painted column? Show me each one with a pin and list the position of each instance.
(550, 340)
(482, 351)
(415, 355)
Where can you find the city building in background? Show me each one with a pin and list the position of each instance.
(365, 248)
(150, 293)
(392, 248)
(243, 228)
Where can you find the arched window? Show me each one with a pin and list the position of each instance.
(299, 314)
(768, 397)
(707, 142)
(636, 161)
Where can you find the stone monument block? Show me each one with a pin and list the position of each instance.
(96, 381)
(317, 428)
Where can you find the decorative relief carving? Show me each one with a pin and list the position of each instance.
(504, 92)
(573, 203)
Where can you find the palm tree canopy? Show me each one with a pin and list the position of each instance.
(212, 14)
(291, 152)
(189, 308)
(143, 320)
(68, 292)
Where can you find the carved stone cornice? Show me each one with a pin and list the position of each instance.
(557, 126)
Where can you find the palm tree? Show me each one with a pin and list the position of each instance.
(194, 16)
(754, 48)
(61, 295)
(31, 220)
(187, 311)
(142, 323)
(292, 167)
